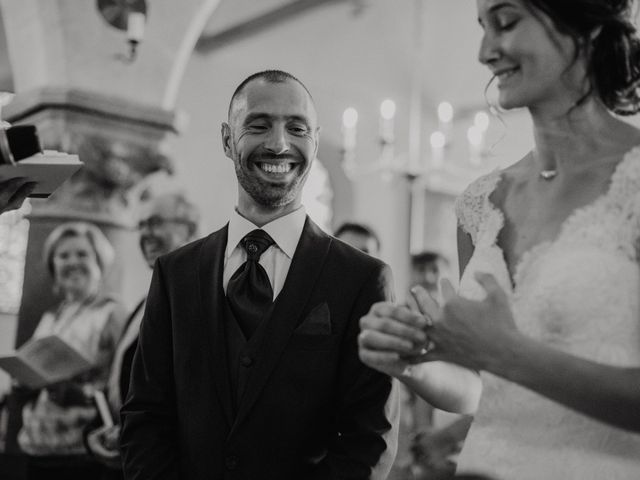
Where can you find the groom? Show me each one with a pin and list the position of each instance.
(247, 365)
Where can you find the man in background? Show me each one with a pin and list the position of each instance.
(436, 436)
(359, 236)
(426, 269)
(171, 221)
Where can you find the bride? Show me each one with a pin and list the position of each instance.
(543, 338)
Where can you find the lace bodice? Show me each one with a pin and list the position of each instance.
(578, 293)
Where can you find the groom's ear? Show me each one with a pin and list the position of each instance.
(225, 132)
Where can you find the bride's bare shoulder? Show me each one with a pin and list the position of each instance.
(625, 135)
(516, 173)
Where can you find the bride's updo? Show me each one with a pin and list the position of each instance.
(605, 28)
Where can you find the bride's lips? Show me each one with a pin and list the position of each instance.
(505, 74)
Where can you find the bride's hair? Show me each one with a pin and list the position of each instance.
(605, 28)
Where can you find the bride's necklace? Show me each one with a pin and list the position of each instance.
(548, 174)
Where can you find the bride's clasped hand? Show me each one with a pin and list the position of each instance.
(478, 335)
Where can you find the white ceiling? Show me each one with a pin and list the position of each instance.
(351, 56)
(381, 34)
(232, 12)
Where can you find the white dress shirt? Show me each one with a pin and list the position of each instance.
(276, 260)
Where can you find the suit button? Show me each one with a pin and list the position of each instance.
(231, 462)
(246, 361)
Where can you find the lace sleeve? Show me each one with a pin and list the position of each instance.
(634, 190)
(634, 214)
(471, 205)
(637, 242)
(624, 196)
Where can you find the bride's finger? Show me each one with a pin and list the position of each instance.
(413, 305)
(396, 313)
(427, 305)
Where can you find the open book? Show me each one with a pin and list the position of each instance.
(49, 169)
(44, 361)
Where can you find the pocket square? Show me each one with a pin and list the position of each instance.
(317, 322)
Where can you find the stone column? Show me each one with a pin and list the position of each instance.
(73, 80)
(121, 144)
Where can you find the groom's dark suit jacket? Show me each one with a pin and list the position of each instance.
(309, 409)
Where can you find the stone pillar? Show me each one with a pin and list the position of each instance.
(73, 81)
(121, 144)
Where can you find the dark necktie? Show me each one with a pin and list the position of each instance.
(249, 290)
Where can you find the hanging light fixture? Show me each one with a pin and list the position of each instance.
(129, 16)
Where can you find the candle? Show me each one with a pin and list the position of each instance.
(387, 138)
(135, 26)
(476, 136)
(349, 123)
(445, 119)
(387, 114)
(438, 141)
(481, 120)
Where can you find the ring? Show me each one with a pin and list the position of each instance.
(426, 349)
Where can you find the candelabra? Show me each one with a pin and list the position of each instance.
(447, 155)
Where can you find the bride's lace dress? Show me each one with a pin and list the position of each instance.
(579, 293)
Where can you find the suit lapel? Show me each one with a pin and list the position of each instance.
(305, 268)
(212, 299)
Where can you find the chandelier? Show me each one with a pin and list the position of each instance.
(447, 156)
(457, 146)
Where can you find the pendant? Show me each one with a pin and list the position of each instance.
(548, 174)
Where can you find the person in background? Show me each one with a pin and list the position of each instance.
(429, 438)
(544, 332)
(171, 222)
(365, 239)
(359, 236)
(247, 362)
(427, 267)
(77, 255)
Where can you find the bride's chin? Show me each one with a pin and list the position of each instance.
(507, 103)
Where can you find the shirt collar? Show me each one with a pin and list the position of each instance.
(285, 230)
